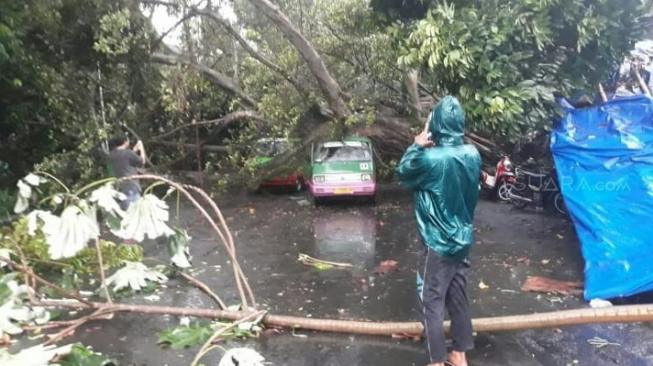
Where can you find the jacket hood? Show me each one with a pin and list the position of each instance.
(447, 124)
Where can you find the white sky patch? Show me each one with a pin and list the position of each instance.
(163, 21)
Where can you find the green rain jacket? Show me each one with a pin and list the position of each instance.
(445, 181)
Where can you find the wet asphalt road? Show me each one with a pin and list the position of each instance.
(272, 229)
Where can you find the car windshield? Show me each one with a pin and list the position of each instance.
(327, 153)
(270, 148)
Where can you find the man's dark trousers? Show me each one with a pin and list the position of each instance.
(444, 282)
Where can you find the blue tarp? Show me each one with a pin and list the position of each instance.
(604, 159)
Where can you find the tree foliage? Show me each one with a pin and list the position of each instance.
(55, 52)
(506, 59)
(503, 59)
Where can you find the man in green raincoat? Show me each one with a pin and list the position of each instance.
(444, 175)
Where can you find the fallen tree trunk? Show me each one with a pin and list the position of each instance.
(391, 135)
(555, 319)
(328, 85)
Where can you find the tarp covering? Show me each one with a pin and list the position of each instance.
(604, 160)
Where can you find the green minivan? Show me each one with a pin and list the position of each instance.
(342, 168)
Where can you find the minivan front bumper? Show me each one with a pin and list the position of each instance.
(342, 189)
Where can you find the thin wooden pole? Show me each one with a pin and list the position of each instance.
(642, 84)
(555, 319)
(604, 96)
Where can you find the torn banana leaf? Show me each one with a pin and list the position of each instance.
(135, 275)
(178, 247)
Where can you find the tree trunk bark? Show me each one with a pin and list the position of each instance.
(328, 85)
(412, 80)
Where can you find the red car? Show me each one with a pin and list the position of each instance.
(266, 150)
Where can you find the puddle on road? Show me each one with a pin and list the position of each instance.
(346, 236)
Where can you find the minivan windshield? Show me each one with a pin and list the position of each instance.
(339, 153)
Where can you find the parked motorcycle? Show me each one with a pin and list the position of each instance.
(499, 184)
(535, 188)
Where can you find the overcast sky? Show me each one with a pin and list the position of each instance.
(162, 21)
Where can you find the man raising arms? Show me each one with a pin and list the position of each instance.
(444, 176)
(125, 162)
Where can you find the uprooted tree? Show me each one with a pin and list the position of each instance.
(82, 70)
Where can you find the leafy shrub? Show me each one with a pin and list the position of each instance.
(35, 250)
(7, 200)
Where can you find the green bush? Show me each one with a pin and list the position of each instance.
(7, 200)
(35, 250)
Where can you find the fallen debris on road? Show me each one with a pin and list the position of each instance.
(551, 286)
(321, 264)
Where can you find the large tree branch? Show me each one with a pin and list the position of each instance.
(222, 122)
(217, 78)
(169, 4)
(208, 148)
(328, 85)
(165, 34)
(246, 46)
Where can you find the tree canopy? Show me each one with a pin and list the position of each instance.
(76, 71)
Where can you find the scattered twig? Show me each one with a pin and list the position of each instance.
(310, 261)
(208, 344)
(102, 276)
(29, 281)
(27, 270)
(202, 286)
(600, 342)
(241, 280)
(76, 324)
(50, 325)
(229, 239)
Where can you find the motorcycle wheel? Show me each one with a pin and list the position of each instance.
(503, 192)
(520, 204)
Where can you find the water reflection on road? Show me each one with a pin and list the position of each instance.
(346, 236)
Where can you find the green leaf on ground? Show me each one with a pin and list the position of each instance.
(186, 336)
(81, 355)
